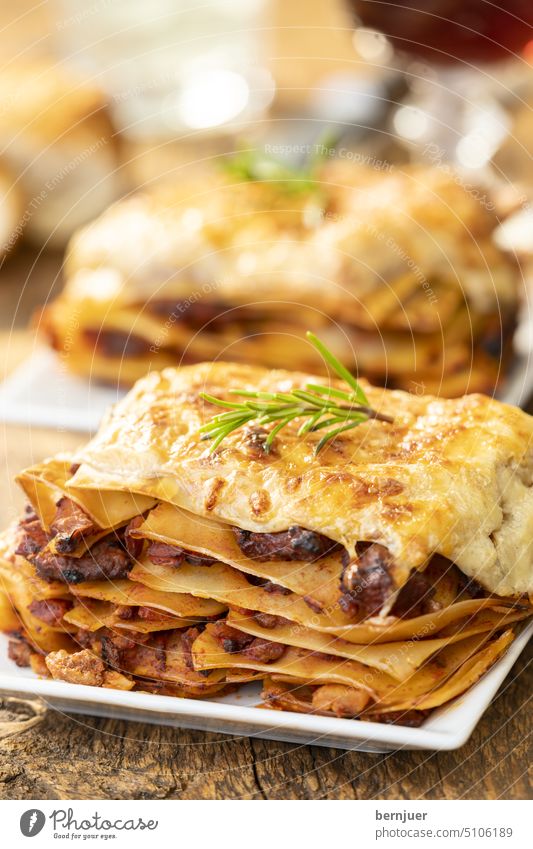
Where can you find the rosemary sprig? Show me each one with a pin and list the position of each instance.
(257, 166)
(322, 407)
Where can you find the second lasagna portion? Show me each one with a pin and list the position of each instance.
(377, 580)
(396, 271)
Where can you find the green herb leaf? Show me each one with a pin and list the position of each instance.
(252, 165)
(337, 366)
(316, 404)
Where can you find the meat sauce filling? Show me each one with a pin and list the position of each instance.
(237, 642)
(293, 544)
(162, 554)
(123, 653)
(116, 343)
(366, 582)
(50, 610)
(197, 315)
(366, 585)
(110, 557)
(70, 525)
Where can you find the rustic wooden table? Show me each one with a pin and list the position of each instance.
(76, 757)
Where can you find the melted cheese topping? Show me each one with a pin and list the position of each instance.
(331, 248)
(448, 476)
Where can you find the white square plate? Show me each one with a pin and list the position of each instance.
(446, 728)
(42, 393)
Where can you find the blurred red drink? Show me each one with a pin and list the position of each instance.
(447, 31)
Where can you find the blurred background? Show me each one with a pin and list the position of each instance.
(98, 97)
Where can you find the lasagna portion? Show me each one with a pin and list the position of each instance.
(396, 271)
(376, 580)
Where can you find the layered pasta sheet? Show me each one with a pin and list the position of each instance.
(155, 598)
(396, 271)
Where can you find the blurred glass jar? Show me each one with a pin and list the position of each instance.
(171, 66)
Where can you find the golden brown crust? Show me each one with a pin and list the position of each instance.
(82, 667)
(451, 477)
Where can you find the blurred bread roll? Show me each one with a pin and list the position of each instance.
(58, 142)
(11, 205)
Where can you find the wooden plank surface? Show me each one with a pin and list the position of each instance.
(57, 756)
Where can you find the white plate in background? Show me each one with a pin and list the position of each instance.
(43, 393)
(447, 728)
